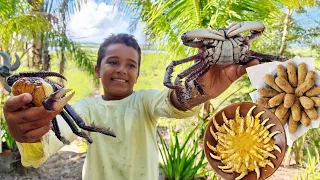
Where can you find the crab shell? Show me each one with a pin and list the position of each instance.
(37, 87)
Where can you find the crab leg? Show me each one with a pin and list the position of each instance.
(41, 74)
(195, 67)
(181, 98)
(194, 77)
(56, 130)
(82, 124)
(74, 128)
(169, 70)
(198, 87)
(266, 57)
(55, 102)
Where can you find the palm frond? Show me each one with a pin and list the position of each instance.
(74, 51)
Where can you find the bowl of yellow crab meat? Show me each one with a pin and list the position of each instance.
(245, 141)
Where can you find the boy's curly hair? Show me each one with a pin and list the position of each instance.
(120, 38)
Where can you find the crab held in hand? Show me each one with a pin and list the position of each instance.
(222, 46)
(52, 96)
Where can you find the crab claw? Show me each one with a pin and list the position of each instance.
(189, 38)
(55, 100)
(245, 26)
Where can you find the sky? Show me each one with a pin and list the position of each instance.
(97, 21)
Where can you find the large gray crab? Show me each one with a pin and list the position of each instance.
(221, 46)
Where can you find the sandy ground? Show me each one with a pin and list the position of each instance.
(67, 165)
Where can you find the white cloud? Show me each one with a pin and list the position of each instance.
(97, 21)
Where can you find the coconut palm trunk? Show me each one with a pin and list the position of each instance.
(285, 32)
(40, 46)
(63, 30)
(45, 55)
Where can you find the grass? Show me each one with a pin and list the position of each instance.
(311, 171)
(304, 52)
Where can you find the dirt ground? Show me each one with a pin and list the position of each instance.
(67, 165)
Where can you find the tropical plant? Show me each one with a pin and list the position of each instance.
(167, 20)
(181, 160)
(5, 136)
(311, 170)
(305, 146)
(34, 26)
(292, 6)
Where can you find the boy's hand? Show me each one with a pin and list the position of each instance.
(27, 125)
(215, 82)
(219, 78)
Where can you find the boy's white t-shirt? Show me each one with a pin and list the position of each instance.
(133, 154)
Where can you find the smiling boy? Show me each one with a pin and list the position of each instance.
(133, 154)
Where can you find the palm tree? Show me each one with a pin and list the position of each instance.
(42, 24)
(287, 24)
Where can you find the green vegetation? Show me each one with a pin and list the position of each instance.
(181, 160)
(29, 26)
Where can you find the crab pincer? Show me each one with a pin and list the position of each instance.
(52, 96)
(56, 101)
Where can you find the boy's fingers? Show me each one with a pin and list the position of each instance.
(252, 63)
(231, 72)
(241, 70)
(33, 125)
(34, 114)
(16, 102)
(36, 134)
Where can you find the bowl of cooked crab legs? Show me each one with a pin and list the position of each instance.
(244, 141)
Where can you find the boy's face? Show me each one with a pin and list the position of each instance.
(118, 71)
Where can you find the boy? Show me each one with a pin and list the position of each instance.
(133, 154)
